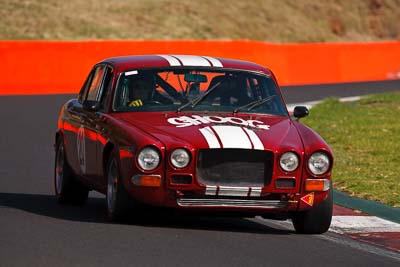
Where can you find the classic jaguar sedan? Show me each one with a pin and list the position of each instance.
(193, 133)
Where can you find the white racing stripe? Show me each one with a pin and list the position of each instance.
(215, 62)
(232, 137)
(171, 60)
(258, 145)
(210, 137)
(186, 60)
(193, 61)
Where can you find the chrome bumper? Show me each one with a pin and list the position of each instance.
(232, 203)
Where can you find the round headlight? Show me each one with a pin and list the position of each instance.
(289, 161)
(319, 163)
(148, 158)
(180, 158)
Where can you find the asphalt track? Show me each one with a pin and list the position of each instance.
(35, 231)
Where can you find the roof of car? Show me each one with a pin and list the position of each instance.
(131, 62)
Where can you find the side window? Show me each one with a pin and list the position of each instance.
(106, 88)
(95, 84)
(83, 92)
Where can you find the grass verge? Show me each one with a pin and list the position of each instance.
(365, 138)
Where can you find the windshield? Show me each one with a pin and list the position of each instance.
(197, 90)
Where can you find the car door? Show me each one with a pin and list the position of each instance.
(87, 134)
(74, 129)
(95, 126)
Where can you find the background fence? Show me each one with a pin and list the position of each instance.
(52, 67)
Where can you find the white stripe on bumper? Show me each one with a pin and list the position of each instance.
(236, 191)
(255, 191)
(211, 190)
(233, 191)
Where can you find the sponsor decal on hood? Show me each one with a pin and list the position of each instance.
(235, 135)
(186, 121)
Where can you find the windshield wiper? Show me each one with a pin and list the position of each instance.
(254, 104)
(197, 100)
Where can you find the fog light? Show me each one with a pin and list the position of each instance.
(285, 183)
(181, 179)
(147, 180)
(317, 185)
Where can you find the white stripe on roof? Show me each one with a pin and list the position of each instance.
(215, 62)
(193, 60)
(171, 60)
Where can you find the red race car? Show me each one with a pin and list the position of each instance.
(193, 133)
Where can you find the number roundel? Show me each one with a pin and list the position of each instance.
(81, 148)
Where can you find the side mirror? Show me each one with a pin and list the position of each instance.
(300, 112)
(91, 105)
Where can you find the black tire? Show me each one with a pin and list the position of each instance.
(317, 220)
(68, 189)
(118, 200)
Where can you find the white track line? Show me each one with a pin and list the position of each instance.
(362, 224)
(310, 104)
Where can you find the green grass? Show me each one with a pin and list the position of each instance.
(365, 138)
(264, 20)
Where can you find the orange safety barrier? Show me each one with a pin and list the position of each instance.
(52, 67)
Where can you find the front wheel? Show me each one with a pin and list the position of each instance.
(118, 200)
(317, 220)
(68, 189)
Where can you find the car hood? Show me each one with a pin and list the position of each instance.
(216, 130)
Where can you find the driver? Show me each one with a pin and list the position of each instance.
(140, 91)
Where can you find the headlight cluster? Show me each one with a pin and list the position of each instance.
(149, 158)
(180, 158)
(289, 161)
(319, 163)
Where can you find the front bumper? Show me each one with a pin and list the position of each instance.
(254, 198)
(232, 203)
